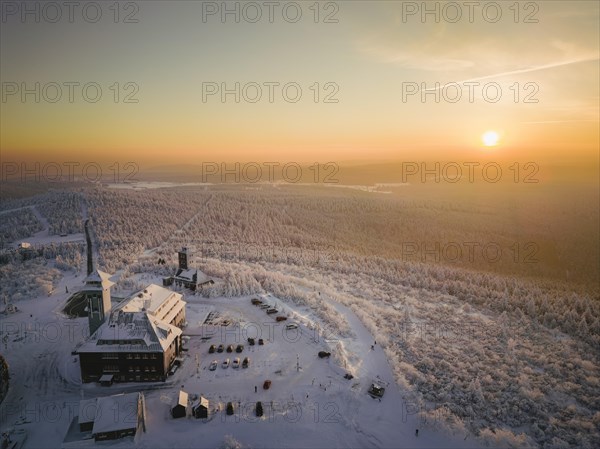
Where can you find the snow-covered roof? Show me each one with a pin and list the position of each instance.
(201, 401)
(87, 410)
(114, 413)
(187, 275)
(99, 278)
(161, 302)
(203, 278)
(139, 324)
(182, 398)
(131, 332)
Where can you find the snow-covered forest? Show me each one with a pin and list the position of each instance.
(62, 209)
(316, 224)
(17, 224)
(497, 353)
(506, 348)
(35, 271)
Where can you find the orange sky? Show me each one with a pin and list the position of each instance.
(367, 64)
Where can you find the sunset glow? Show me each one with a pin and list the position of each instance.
(490, 138)
(192, 88)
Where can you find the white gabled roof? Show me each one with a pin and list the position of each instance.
(114, 413)
(201, 401)
(154, 299)
(131, 332)
(87, 410)
(187, 275)
(99, 277)
(182, 399)
(203, 278)
(139, 324)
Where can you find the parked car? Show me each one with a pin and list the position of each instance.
(245, 362)
(212, 349)
(229, 408)
(251, 341)
(376, 390)
(259, 409)
(291, 326)
(348, 376)
(213, 365)
(272, 311)
(239, 348)
(323, 354)
(281, 318)
(265, 306)
(221, 348)
(230, 348)
(173, 370)
(267, 384)
(225, 363)
(256, 301)
(236, 363)
(261, 342)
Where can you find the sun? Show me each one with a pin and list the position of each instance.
(490, 138)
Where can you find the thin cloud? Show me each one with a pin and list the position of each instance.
(521, 71)
(542, 122)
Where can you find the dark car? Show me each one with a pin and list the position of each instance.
(230, 348)
(229, 408)
(281, 318)
(267, 384)
(221, 348)
(251, 341)
(261, 342)
(239, 348)
(212, 349)
(245, 362)
(348, 376)
(323, 354)
(376, 391)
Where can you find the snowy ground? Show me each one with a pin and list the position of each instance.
(310, 407)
